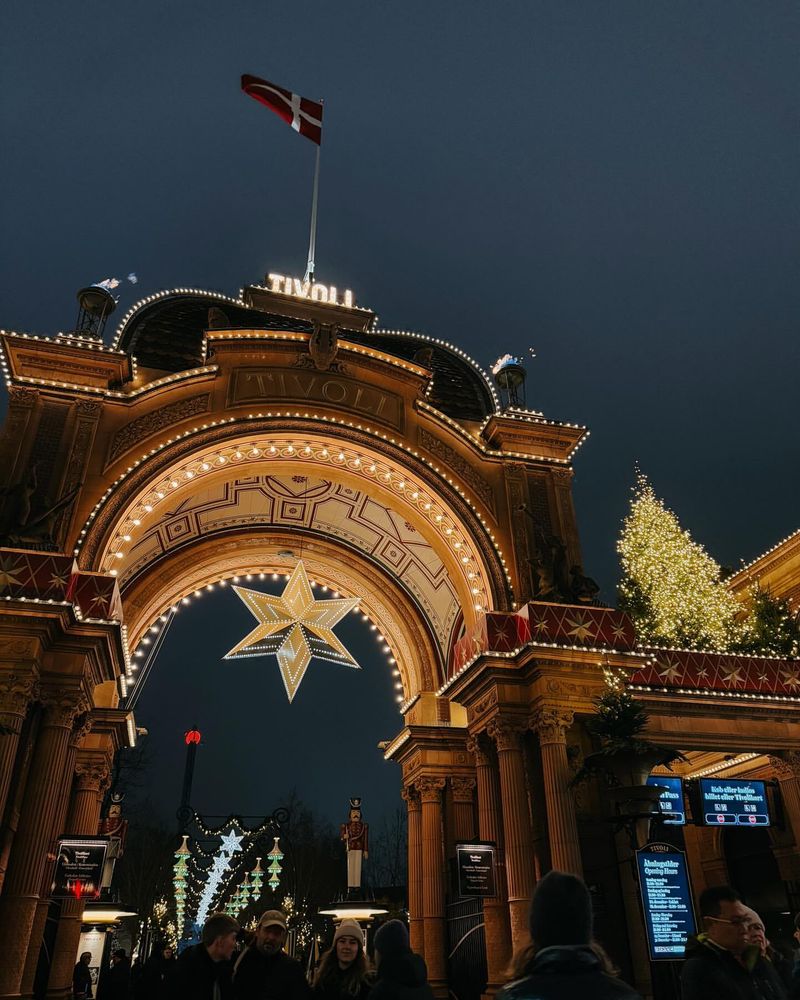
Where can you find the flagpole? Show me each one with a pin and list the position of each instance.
(312, 241)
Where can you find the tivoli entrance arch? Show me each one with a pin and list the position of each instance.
(219, 436)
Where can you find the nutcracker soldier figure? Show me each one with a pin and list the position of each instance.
(355, 835)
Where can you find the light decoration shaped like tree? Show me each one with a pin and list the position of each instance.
(671, 586)
(275, 857)
(180, 874)
(256, 880)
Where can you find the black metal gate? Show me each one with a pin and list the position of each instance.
(466, 949)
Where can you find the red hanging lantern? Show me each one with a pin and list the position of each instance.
(193, 736)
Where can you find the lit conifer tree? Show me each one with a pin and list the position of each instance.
(671, 586)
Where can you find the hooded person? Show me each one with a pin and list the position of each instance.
(561, 963)
(400, 974)
(343, 973)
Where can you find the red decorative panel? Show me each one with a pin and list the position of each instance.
(47, 576)
(579, 625)
(720, 672)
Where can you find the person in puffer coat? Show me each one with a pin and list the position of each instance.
(561, 964)
(400, 975)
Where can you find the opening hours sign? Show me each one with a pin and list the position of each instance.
(666, 900)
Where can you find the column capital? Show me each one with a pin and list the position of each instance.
(93, 775)
(479, 751)
(550, 723)
(17, 691)
(430, 788)
(786, 764)
(62, 706)
(463, 788)
(506, 733)
(411, 796)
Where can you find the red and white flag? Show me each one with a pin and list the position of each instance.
(303, 115)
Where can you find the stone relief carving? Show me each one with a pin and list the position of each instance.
(150, 423)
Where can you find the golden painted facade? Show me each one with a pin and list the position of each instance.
(206, 442)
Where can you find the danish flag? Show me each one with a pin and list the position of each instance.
(303, 115)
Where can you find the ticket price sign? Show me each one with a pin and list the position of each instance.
(673, 811)
(475, 869)
(732, 802)
(666, 900)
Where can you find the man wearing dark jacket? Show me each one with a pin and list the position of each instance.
(720, 962)
(264, 971)
(401, 974)
(560, 963)
(204, 971)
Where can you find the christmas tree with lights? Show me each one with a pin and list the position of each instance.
(671, 587)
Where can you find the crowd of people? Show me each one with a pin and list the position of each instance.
(730, 959)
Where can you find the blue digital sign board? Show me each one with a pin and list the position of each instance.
(673, 811)
(733, 802)
(666, 900)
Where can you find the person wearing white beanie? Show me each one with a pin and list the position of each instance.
(343, 972)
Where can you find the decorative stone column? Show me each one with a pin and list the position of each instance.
(415, 920)
(37, 821)
(551, 725)
(92, 778)
(787, 771)
(16, 693)
(80, 727)
(497, 928)
(516, 826)
(463, 808)
(430, 790)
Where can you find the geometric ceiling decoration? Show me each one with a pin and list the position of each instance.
(313, 504)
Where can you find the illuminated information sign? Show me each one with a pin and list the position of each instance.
(666, 900)
(732, 802)
(673, 811)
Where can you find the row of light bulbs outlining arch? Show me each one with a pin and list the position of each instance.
(150, 634)
(334, 455)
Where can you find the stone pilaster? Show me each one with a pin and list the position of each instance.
(91, 780)
(17, 691)
(551, 724)
(787, 771)
(463, 789)
(497, 928)
(415, 919)
(37, 828)
(516, 826)
(430, 790)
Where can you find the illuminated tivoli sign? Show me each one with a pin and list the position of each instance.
(311, 290)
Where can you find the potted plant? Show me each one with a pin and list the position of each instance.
(625, 757)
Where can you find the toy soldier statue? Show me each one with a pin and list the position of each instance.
(354, 834)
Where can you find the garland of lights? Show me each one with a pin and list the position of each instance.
(164, 620)
(179, 881)
(231, 843)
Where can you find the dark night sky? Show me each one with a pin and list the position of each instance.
(614, 184)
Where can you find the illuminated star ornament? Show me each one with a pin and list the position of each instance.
(294, 627)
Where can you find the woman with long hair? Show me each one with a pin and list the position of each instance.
(343, 973)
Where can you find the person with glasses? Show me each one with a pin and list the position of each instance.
(721, 961)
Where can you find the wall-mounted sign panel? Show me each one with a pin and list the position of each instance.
(673, 811)
(733, 802)
(475, 869)
(666, 900)
(79, 868)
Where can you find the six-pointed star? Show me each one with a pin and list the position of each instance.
(295, 627)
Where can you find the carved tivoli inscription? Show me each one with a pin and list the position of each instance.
(259, 385)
